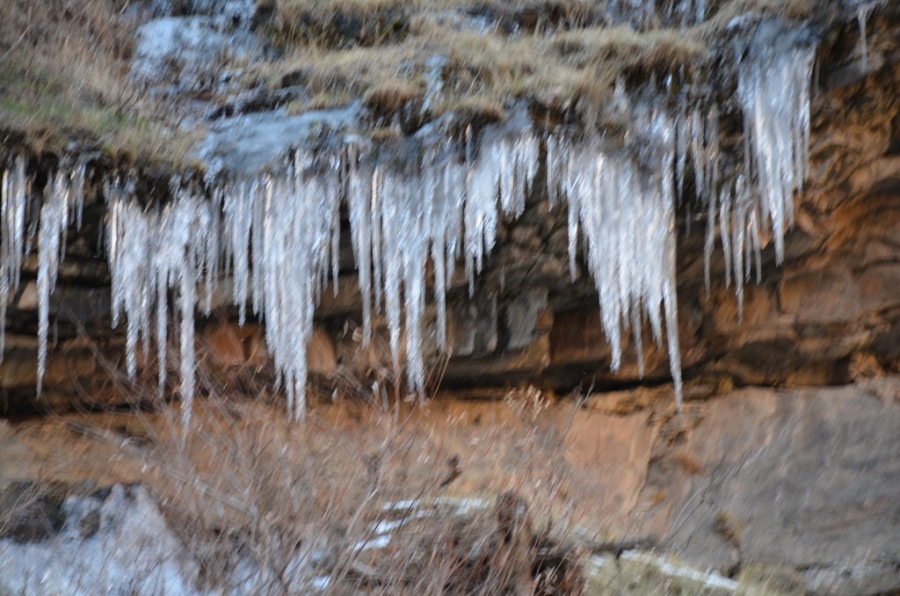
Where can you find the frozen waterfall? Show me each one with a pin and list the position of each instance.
(624, 204)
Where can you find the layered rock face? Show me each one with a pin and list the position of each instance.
(824, 316)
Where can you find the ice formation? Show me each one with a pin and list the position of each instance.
(194, 51)
(863, 8)
(134, 550)
(13, 195)
(436, 197)
(683, 13)
(624, 204)
(151, 251)
(63, 201)
(776, 148)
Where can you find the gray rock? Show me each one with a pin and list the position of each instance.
(807, 479)
(522, 317)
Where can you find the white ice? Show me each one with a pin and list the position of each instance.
(623, 202)
(773, 89)
(63, 202)
(133, 552)
(13, 194)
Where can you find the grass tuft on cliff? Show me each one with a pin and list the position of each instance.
(64, 64)
(560, 55)
(64, 81)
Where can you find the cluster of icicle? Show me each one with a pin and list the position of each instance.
(624, 203)
(277, 236)
(758, 202)
(13, 194)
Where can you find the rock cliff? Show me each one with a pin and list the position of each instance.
(785, 450)
(825, 316)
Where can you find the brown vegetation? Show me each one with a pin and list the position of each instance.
(488, 69)
(554, 53)
(63, 78)
(247, 486)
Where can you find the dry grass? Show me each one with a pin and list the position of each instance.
(30, 511)
(575, 59)
(330, 24)
(389, 98)
(306, 500)
(487, 72)
(246, 488)
(63, 78)
(726, 10)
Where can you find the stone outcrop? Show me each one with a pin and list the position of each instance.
(800, 482)
(804, 480)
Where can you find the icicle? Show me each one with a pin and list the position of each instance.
(862, 15)
(187, 300)
(293, 244)
(481, 214)
(572, 226)
(681, 151)
(12, 211)
(725, 200)
(150, 252)
(257, 213)
(698, 138)
(65, 191)
(54, 219)
(77, 190)
(445, 229)
(335, 194)
(698, 153)
(359, 197)
(773, 87)
(238, 202)
(208, 255)
(625, 203)
(710, 240)
(162, 328)
(377, 249)
(131, 243)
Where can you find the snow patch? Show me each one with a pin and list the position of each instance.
(132, 552)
